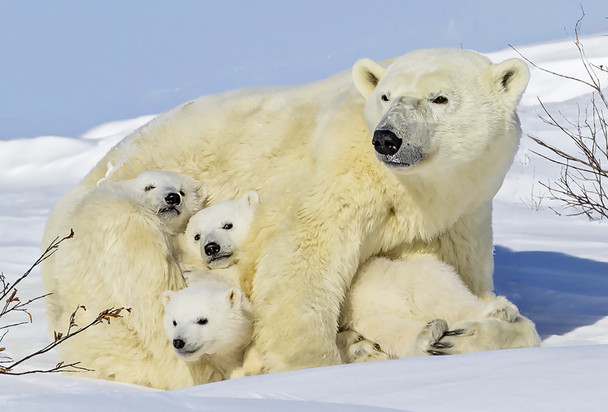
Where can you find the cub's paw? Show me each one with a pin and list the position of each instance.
(502, 309)
(191, 276)
(432, 339)
(354, 348)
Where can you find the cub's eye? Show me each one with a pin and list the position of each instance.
(197, 237)
(384, 98)
(202, 321)
(149, 187)
(181, 192)
(227, 226)
(174, 323)
(440, 100)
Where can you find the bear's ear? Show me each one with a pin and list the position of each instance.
(166, 296)
(235, 297)
(510, 80)
(366, 76)
(251, 198)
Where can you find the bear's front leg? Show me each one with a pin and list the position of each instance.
(501, 327)
(298, 288)
(355, 348)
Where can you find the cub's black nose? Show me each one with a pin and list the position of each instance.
(173, 199)
(212, 248)
(386, 142)
(178, 343)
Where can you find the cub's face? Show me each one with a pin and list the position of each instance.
(216, 233)
(173, 197)
(439, 106)
(204, 319)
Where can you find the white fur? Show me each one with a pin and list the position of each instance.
(393, 309)
(225, 225)
(329, 203)
(122, 255)
(404, 308)
(210, 322)
(210, 224)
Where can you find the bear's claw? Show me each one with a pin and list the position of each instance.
(436, 352)
(454, 332)
(442, 345)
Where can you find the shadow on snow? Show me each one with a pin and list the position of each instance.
(558, 292)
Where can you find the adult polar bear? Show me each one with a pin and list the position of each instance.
(445, 132)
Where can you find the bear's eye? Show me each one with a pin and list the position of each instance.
(149, 187)
(181, 192)
(384, 98)
(174, 323)
(440, 100)
(227, 226)
(197, 237)
(202, 321)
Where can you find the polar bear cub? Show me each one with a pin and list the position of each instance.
(171, 196)
(129, 224)
(123, 254)
(212, 242)
(210, 321)
(420, 306)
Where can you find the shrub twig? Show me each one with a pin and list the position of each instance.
(12, 303)
(59, 338)
(584, 169)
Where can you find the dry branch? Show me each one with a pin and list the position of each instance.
(12, 303)
(581, 185)
(73, 330)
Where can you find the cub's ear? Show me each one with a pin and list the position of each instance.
(510, 80)
(202, 194)
(235, 297)
(366, 75)
(166, 296)
(251, 198)
(189, 276)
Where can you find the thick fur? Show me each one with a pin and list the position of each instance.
(209, 322)
(392, 309)
(213, 241)
(329, 203)
(419, 306)
(122, 256)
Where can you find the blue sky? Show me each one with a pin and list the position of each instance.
(67, 66)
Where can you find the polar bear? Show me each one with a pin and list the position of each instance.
(214, 237)
(419, 306)
(388, 160)
(167, 199)
(210, 321)
(122, 255)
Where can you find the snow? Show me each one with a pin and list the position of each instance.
(554, 267)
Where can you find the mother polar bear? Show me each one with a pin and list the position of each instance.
(443, 135)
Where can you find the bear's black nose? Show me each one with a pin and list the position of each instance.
(386, 142)
(178, 343)
(173, 199)
(212, 248)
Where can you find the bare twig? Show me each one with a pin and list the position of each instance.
(72, 331)
(8, 294)
(12, 303)
(584, 175)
